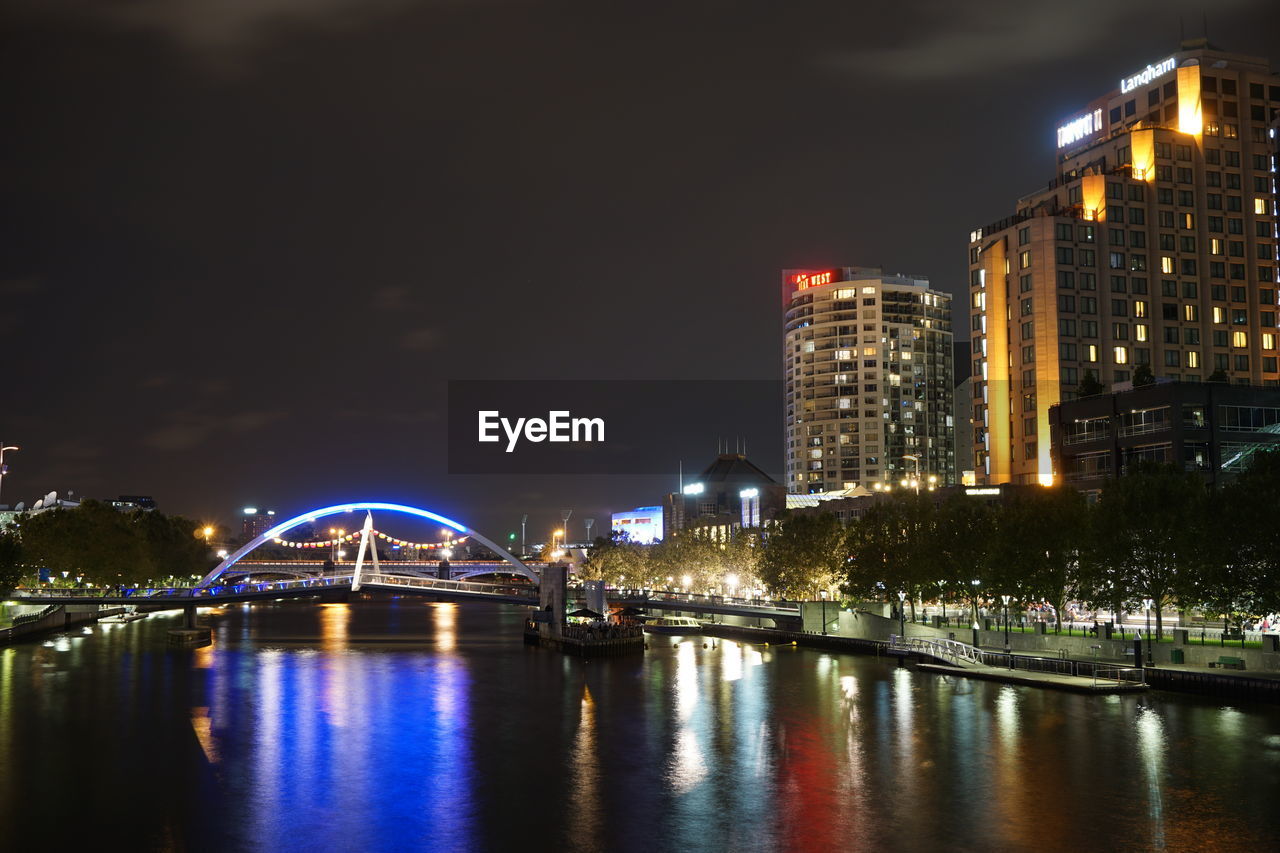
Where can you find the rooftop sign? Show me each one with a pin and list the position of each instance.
(1077, 129)
(804, 281)
(1146, 75)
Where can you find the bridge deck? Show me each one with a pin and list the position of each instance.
(400, 585)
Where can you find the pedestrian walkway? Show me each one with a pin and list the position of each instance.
(1101, 683)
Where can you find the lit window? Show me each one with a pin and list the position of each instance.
(1193, 359)
(1166, 264)
(1240, 340)
(868, 289)
(1121, 355)
(1140, 331)
(1260, 206)
(1268, 340)
(1190, 313)
(808, 346)
(1219, 314)
(843, 355)
(1139, 308)
(870, 351)
(1091, 352)
(846, 293)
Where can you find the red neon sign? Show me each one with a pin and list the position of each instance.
(804, 281)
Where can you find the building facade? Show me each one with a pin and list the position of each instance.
(732, 493)
(1154, 247)
(254, 522)
(642, 524)
(1211, 427)
(867, 363)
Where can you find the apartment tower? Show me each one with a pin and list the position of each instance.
(867, 360)
(1153, 248)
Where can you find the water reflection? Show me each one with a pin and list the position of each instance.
(320, 727)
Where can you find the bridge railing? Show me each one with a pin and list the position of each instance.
(446, 585)
(700, 598)
(269, 586)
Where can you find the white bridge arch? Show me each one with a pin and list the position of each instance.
(306, 518)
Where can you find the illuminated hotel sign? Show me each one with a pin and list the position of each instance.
(804, 281)
(1077, 129)
(1147, 74)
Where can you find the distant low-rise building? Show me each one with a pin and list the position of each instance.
(642, 524)
(1210, 427)
(732, 493)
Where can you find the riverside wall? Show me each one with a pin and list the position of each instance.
(861, 624)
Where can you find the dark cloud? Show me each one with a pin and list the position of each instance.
(950, 40)
(190, 430)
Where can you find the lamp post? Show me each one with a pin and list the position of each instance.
(822, 593)
(207, 531)
(902, 614)
(4, 470)
(1007, 650)
(1146, 603)
(914, 481)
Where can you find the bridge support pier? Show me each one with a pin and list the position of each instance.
(191, 635)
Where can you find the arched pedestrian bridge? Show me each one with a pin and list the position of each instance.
(365, 535)
(228, 583)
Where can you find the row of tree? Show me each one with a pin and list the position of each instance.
(1158, 533)
(103, 546)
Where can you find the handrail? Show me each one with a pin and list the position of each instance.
(938, 647)
(1118, 673)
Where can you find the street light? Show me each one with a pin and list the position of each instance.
(1007, 650)
(914, 481)
(823, 594)
(208, 531)
(1146, 603)
(902, 614)
(3, 469)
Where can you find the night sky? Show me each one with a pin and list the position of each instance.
(247, 243)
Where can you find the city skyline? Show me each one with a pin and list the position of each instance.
(251, 286)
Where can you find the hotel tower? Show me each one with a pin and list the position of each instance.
(1154, 247)
(867, 359)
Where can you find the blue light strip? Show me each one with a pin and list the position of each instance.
(285, 526)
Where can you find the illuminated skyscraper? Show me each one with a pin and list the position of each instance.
(1154, 247)
(867, 359)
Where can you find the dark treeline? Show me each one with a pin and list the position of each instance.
(1156, 533)
(103, 546)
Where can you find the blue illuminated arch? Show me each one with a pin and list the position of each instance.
(306, 518)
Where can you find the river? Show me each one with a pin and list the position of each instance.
(408, 725)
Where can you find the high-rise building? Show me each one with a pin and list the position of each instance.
(1153, 248)
(867, 359)
(254, 522)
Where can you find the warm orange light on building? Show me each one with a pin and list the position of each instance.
(1093, 192)
(1143, 147)
(1190, 119)
(995, 261)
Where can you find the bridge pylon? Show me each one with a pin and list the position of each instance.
(366, 543)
